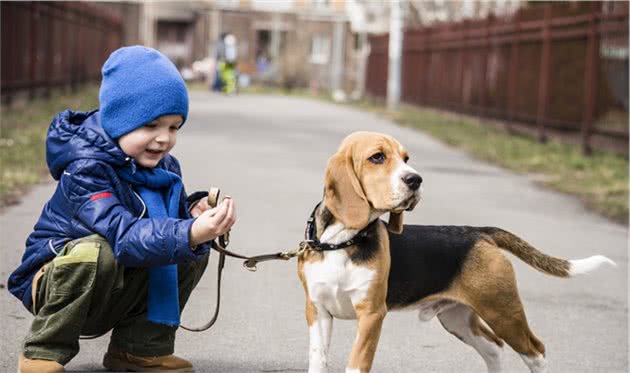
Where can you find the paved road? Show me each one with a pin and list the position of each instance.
(270, 154)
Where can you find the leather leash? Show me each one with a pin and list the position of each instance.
(220, 244)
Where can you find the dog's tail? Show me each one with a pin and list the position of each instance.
(543, 262)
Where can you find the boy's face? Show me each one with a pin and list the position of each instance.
(151, 142)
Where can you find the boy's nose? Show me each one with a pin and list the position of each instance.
(162, 138)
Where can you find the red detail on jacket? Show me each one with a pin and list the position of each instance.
(100, 195)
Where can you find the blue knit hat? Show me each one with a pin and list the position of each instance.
(139, 85)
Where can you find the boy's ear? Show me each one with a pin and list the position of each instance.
(395, 224)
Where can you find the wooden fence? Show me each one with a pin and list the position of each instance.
(556, 66)
(54, 44)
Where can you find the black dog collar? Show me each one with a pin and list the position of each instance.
(315, 244)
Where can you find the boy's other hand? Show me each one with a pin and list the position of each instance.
(212, 223)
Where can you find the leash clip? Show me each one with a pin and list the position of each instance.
(250, 265)
(302, 247)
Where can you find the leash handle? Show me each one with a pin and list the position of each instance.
(213, 200)
(223, 241)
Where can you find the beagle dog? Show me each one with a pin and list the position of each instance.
(358, 267)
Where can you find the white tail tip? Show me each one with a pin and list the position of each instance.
(584, 266)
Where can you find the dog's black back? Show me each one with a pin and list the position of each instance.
(425, 259)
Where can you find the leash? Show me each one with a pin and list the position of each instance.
(220, 245)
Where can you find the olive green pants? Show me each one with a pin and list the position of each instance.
(84, 291)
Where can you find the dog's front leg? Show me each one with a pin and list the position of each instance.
(370, 321)
(320, 328)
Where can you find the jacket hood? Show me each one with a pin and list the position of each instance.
(74, 135)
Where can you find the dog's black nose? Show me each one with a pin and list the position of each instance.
(413, 181)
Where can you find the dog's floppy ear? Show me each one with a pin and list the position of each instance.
(343, 194)
(395, 224)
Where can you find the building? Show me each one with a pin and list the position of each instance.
(179, 29)
(306, 43)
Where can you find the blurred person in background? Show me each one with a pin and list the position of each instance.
(226, 78)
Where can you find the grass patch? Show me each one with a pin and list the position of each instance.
(600, 181)
(23, 128)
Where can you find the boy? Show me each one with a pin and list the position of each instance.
(118, 246)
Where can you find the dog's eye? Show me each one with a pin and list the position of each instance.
(406, 159)
(377, 158)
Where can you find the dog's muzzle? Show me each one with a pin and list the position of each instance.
(409, 191)
(412, 180)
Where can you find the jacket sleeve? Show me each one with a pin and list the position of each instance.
(136, 242)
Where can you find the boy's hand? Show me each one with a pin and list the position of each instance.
(200, 207)
(213, 222)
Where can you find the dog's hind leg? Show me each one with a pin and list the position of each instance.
(464, 324)
(320, 329)
(512, 327)
(496, 300)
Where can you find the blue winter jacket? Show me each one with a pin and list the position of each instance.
(91, 198)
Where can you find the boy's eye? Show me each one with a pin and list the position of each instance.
(151, 125)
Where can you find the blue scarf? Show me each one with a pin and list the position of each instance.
(160, 190)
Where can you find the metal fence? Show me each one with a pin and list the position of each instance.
(557, 68)
(54, 44)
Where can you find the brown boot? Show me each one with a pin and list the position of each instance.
(26, 365)
(123, 361)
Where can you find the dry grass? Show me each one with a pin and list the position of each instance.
(23, 128)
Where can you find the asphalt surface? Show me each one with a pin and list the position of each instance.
(269, 153)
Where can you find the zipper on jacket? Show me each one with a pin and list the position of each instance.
(144, 206)
(52, 248)
(132, 164)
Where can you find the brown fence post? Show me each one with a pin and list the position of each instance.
(464, 53)
(485, 52)
(590, 81)
(543, 81)
(512, 80)
(72, 50)
(32, 61)
(462, 61)
(50, 36)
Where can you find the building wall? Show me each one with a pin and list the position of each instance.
(294, 61)
(132, 16)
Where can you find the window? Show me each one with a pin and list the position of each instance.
(320, 49)
(357, 43)
(321, 4)
(272, 5)
(172, 32)
(227, 3)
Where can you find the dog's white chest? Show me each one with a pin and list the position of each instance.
(335, 283)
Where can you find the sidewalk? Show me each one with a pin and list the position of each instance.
(269, 153)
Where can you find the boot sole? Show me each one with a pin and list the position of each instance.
(123, 366)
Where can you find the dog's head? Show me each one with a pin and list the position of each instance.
(369, 176)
